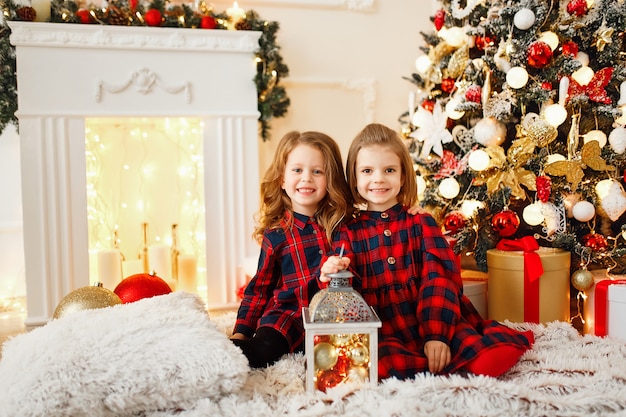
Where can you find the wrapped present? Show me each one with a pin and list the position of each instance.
(528, 283)
(609, 308)
(589, 314)
(475, 288)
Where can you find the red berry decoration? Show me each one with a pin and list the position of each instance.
(595, 241)
(428, 105)
(153, 17)
(439, 19)
(539, 54)
(546, 85)
(447, 85)
(208, 22)
(139, 286)
(482, 42)
(577, 7)
(544, 187)
(84, 16)
(454, 221)
(505, 223)
(473, 93)
(570, 48)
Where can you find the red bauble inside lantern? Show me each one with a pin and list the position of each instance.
(539, 54)
(328, 379)
(454, 221)
(139, 286)
(505, 223)
(153, 17)
(595, 241)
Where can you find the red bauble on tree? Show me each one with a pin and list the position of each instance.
(208, 22)
(428, 105)
(447, 85)
(505, 223)
(570, 48)
(139, 286)
(473, 93)
(153, 17)
(454, 221)
(546, 85)
(482, 42)
(439, 19)
(544, 187)
(539, 54)
(595, 241)
(577, 7)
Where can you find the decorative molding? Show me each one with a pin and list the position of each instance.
(128, 37)
(366, 86)
(144, 81)
(365, 6)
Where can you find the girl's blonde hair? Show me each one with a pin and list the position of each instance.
(377, 134)
(274, 200)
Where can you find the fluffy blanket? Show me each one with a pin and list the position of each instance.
(565, 374)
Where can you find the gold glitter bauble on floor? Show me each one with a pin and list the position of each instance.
(86, 298)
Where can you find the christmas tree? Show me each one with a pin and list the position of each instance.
(517, 126)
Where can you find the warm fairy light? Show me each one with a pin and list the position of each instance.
(555, 114)
(517, 77)
(550, 38)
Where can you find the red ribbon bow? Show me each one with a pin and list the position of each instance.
(533, 270)
(600, 305)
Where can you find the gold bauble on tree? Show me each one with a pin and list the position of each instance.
(86, 298)
(541, 132)
(582, 279)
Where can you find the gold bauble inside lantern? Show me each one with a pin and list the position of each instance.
(325, 355)
(541, 132)
(359, 354)
(86, 298)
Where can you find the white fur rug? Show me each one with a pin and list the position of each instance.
(165, 357)
(564, 374)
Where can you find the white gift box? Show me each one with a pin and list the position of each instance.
(617, 311)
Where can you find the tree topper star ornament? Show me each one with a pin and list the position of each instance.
(431, 130)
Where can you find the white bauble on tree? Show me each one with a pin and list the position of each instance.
(490, 132)
(524, 19)
(617, 139)
(583, 211)
(449, 188)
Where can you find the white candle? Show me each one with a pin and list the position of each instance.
(160, 261)
(411, 104)
(132, 267)
(42, 7)
(235, 14)
(187, 273)
(110, 268)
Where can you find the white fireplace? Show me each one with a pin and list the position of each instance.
(74, 80)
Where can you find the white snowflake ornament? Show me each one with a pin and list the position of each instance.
(431, 130)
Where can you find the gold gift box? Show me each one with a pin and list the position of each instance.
(505, 283)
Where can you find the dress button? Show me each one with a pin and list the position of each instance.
(314, 232)
(384, 215)
(387, 232)
(321, 252)
(391, 260)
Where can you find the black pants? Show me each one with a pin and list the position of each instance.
(264, 348)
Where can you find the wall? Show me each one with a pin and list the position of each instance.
(346, 60)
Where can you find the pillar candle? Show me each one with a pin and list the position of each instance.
(109, 268)
(42, 7)
(160, 261)
(132, 267)
(187, 273)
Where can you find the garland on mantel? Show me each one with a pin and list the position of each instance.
(272, 97)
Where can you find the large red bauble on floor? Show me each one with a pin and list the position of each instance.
(139, 286)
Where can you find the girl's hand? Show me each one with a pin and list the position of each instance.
(438, 354)
(333, 265)
(413, 210)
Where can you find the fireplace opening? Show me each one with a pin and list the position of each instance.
(145, 200)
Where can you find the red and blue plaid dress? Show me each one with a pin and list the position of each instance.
(406, 270)
(289, 258)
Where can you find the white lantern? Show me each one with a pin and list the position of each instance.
(449, 188)
(478, 160)
(517, 77)
(583, 211)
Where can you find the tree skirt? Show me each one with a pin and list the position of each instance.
(564, 374)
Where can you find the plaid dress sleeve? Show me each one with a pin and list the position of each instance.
(273, 297)
(406, 270)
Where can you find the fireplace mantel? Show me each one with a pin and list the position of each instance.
(69, 72)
